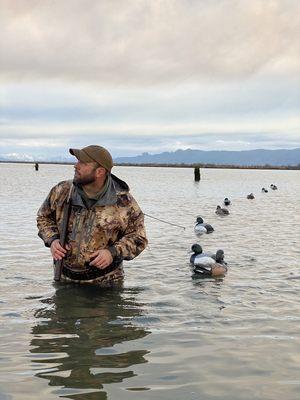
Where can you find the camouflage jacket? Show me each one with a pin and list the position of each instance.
(115, 222)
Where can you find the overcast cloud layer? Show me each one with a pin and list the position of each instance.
(149, 75)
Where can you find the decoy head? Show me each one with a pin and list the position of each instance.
(218, 207)
(220, 256)
(196, 248)
(199, 220)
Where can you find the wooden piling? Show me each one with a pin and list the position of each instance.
(197, 174)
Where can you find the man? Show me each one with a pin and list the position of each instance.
(105, 227)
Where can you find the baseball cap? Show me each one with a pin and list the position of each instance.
(94, 153)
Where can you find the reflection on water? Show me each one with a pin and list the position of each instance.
(77, 341)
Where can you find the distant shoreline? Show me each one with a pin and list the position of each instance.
(198, 165)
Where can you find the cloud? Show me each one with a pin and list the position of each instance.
(32, 111)
(122, 141)
(148, 42)
(179, 103)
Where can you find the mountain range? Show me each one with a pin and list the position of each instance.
(257, 157)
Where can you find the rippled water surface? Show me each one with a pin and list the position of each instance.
(165, 334)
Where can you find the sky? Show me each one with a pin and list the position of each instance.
(148, 75)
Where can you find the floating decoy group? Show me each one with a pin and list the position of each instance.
(206, 264)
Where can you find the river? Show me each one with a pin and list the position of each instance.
(166, 334)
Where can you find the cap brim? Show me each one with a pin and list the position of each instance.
(80, 155)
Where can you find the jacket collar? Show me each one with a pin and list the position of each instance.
(115, 186)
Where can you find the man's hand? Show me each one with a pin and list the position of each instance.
(102, 258)
(57, 251)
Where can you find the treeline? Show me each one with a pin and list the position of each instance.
(219, 166)
(182, 165)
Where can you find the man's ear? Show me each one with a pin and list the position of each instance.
(100, 172)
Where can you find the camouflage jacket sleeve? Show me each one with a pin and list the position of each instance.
(47, 219)
(133, 240)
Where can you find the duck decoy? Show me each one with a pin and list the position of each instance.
(226, 202)
(221, 211)
(207, 264)
(202, 227)
(250, 196)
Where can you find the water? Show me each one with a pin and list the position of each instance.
(165, 334)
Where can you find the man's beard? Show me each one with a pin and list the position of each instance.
(84, 180)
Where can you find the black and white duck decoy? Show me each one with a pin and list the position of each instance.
(201, 227)
(208, 264)
(273, 187)
(226, 202)
(221, 211)
(264, 190)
